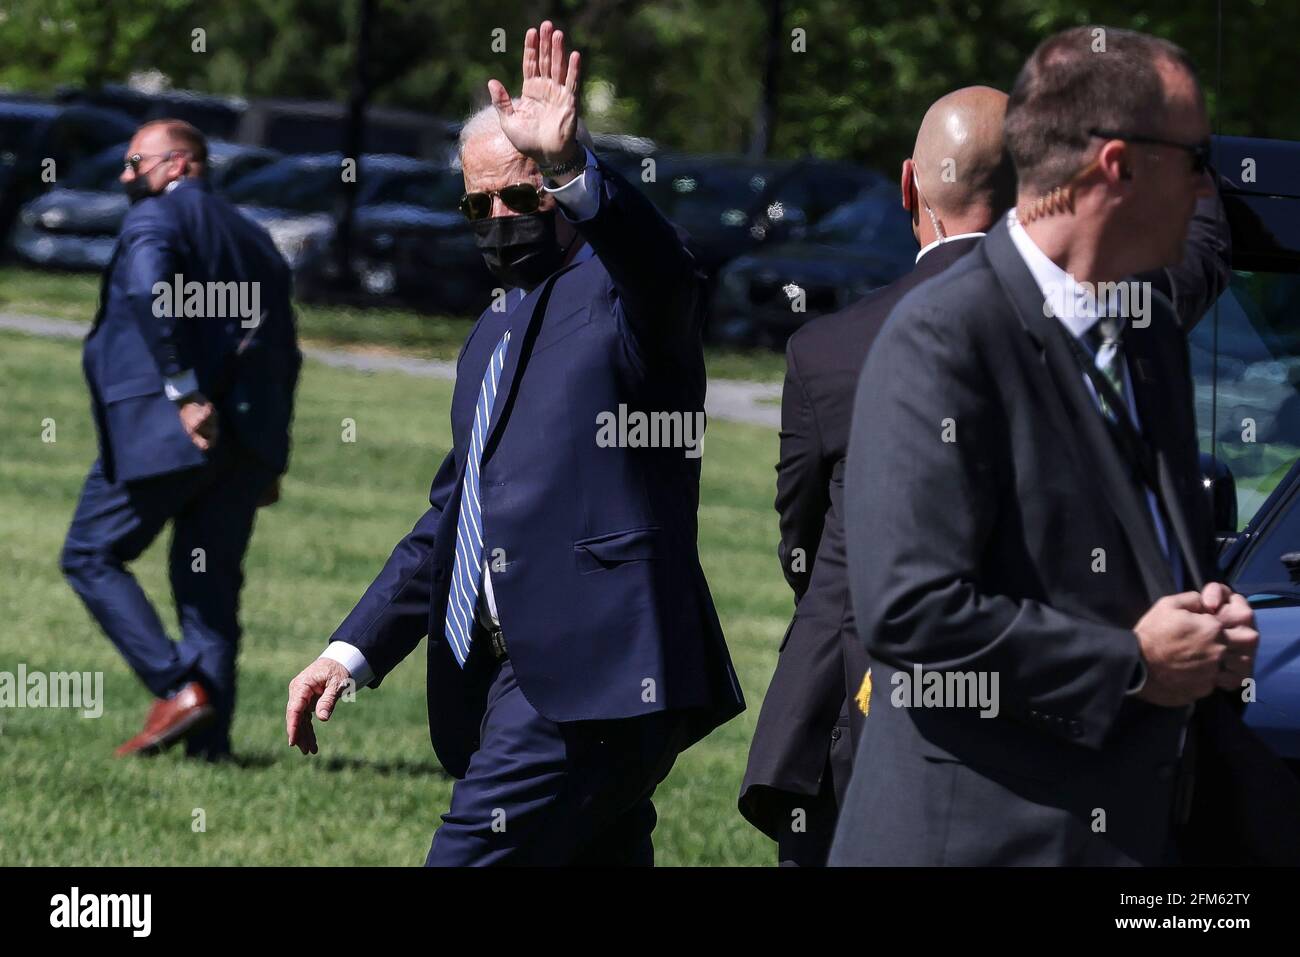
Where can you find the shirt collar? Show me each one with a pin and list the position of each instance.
(947, 239)
(1054, 283)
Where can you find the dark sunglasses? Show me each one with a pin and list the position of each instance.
(521, 197)
(133, 161)
(1199, 152)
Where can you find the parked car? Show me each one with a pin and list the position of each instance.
(411, 246)
(1245, 358)
(731, 205)
(297, 198)
(75, 225)
(318, 126)
(217, 116)
(764, 296)
(43, 143)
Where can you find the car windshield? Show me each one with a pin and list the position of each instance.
(290, 184)
(15, 131)
(1245, 358)
(431, 189)
(709, 197)
(872, 219)
(100, 172)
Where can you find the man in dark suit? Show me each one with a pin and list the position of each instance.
(801, 755)
(574, 649)
(192, 363)
(1028, 542)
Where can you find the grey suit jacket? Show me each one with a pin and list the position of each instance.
(994, 529)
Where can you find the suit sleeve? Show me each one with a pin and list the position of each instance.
(393, 614)
(802, 495)
(1200, 278)
(658, 287)
(926, 458)
(150, 255)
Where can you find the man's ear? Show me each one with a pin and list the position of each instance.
(907, 186)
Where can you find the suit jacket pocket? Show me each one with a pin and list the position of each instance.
(616, 548)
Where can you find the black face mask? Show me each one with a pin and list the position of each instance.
(137, 189)
(519, 250)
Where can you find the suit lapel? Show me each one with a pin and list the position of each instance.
(525, 323)
(1077, 414)
(1155, 384)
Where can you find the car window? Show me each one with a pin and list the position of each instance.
(434, 189)
(1245, 358)
(225, 175)
(100, 172)
(1261, 568)
(15, 134)
(302, 188)
(874, 217)
(709, 197)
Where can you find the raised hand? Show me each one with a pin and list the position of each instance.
(543, 125)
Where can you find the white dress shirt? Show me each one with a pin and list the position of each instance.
(577, 202)
(1051, 278)
(947, 239)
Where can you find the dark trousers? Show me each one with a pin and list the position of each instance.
(541, 793)
(211, 509)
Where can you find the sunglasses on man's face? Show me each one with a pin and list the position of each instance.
(1199, 152)
(133, 161)
(521, 197)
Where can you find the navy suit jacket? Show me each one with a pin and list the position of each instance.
(191, 232)
(604, 606)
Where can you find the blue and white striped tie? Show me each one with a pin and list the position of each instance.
(467, 575)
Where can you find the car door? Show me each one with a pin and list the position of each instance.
(1245, 358)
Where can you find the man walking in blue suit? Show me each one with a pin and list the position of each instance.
(192, 363)
(574, 650)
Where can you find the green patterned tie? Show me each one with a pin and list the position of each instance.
(1104, 340)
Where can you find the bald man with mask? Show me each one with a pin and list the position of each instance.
(957, 180)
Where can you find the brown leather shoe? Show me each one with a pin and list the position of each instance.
(170, 719)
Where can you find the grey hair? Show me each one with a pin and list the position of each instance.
(484, 122)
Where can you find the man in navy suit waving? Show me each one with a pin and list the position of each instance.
(192, 363)
(574, 650)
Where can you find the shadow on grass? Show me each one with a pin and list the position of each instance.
(260, 760)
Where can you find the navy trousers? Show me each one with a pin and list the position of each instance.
(211, 509)
(541, 793)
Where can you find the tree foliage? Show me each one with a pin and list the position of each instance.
(687, 73)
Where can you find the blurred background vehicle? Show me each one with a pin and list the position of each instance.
(317, 126)
(734, 204)
(764, 296)
(218, 116)
(75, 224)
(42, 142)
(1245, 361)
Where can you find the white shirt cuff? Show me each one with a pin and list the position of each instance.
(179, 386)
(578, 201)
(351, 658)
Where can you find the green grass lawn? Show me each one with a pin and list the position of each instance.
(61, 295)
(374, 793)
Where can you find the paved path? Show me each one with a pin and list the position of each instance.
(756, 403)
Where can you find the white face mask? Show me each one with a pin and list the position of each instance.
(934, 220)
